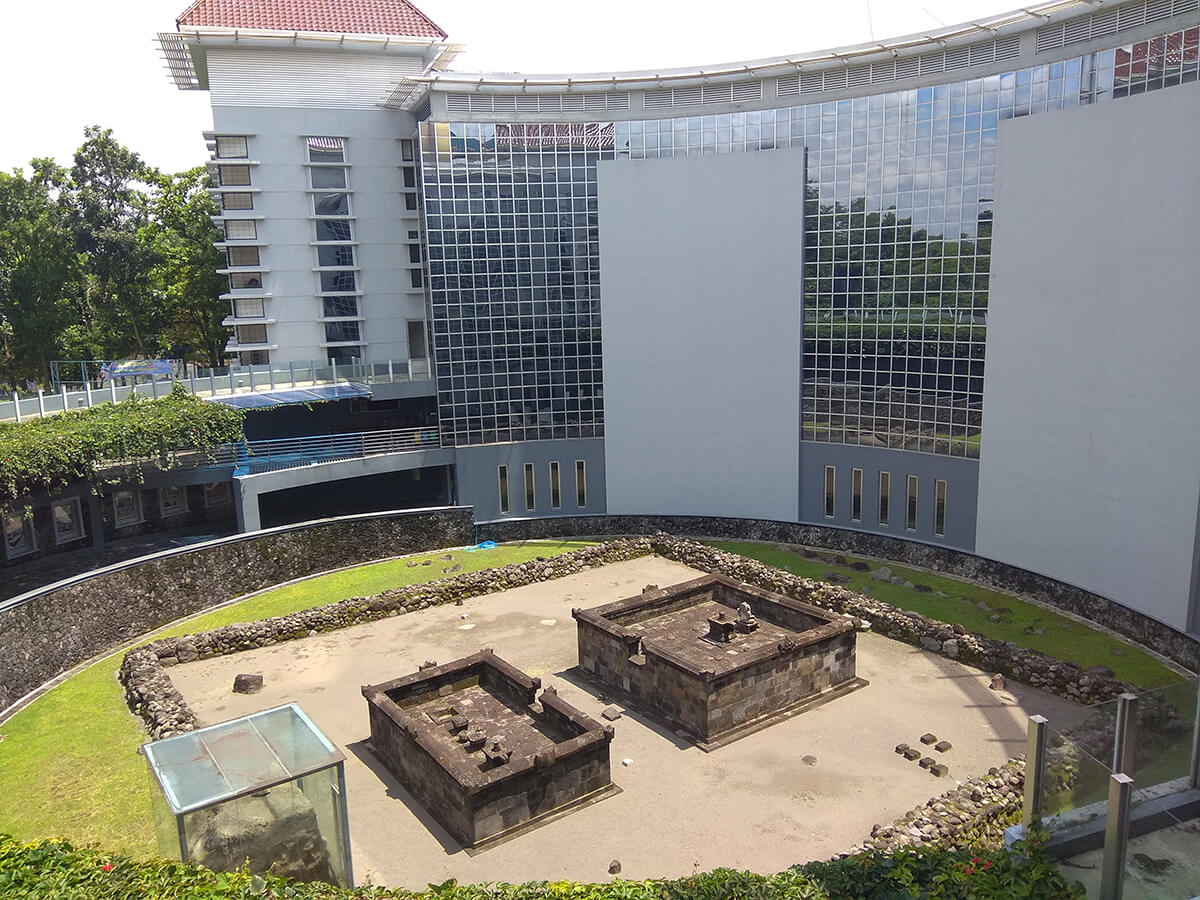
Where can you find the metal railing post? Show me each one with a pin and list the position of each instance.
(212, 382)
(1116, 837)
(41, 404)
(154, 386)
(1196, 741)
(292, 371)
(391, 372)
(271, 375)
(333, 369)
(17, 405)
(1035, 769)
(251, 367)
(1125, 736)
(87, 391)
(192, 383)
(62, 388)
(112, 389)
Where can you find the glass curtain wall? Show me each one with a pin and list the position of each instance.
(898, 232)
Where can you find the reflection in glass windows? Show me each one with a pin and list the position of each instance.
(898, 233)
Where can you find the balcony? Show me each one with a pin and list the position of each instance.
(255, 457)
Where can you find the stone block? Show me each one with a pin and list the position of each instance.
(247, 684)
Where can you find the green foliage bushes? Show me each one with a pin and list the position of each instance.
(50, 453)
(46, 869)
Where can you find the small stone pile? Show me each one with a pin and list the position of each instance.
(975, 812)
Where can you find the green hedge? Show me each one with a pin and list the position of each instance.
(55, 869)
(51, 453)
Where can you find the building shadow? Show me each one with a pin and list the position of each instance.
(362, 751)
(574, 677)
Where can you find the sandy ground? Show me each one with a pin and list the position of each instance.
(752, 804)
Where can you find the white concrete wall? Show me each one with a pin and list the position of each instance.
(1090, 468)
(701, 283)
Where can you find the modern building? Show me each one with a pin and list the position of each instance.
(942, 288)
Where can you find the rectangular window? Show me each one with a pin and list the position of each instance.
(245, 281)
(416, 276)
(331, 204)
(580, 483)
(216, 493)
(248, 308)
(410, 201)
(240, 230)
(251, 334)
(555, 487)
(502, 477)
(911, 506)
(326, 149)
(328, 177)
(856, 495)
(337, 282)
(237, 201)
(231, 148)
(339, 307)
(414, 253)
(406, 149)
(127, 508)
(410, 176)
(333, 230)
(830, 483)
(416, 340)
(236, 176)
(530, 491)
(342, 332)
(254, 358)
(68, 520)
(243, 256)
(939, 508)
(335, 255)
(885, 490)
(18, 534)
(172, 501)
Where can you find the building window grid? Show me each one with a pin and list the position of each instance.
(337, 290)
(898, 235)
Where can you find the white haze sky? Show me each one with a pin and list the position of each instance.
(65, 64)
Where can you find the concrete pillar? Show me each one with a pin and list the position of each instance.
(245, 499)
(1035, 769)
(96, 519)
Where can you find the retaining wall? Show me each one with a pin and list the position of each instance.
(45, 632)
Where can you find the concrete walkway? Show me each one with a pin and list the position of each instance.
(756, 803)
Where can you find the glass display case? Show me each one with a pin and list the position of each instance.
(268, 788)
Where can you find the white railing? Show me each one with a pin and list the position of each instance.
(253, 457)
(216, 383)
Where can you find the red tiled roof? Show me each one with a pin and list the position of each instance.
(392, 17)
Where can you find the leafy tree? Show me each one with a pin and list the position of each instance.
(39, 270)
(179, 236)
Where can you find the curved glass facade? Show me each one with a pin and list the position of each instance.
(898, 226)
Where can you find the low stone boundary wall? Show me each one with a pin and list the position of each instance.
(45, 632)
(974, 813)
(1140, 628)
(151, 695)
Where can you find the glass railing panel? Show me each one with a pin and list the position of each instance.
(1162, 859)
(1166, 721)
(1078, 765)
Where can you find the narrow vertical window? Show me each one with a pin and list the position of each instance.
(939, 508)
(555, 487)
(885, 490)
(830, 481)
(580, 483)
(502, 475)
(530, 493)
(911, 517)
(856, 495)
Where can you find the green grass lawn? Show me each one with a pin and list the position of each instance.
(68, 762)
(974, 607)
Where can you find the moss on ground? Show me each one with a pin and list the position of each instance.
(978, 609)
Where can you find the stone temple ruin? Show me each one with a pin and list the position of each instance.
(716, 658)
(470, 743)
